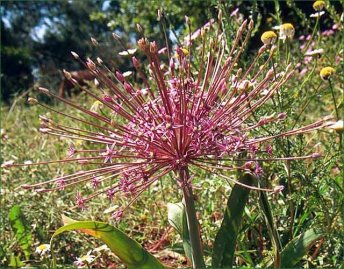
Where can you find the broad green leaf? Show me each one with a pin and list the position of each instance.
(298, 247)
(131, 253)
(21, 229)
(225, 241)
(177, 219)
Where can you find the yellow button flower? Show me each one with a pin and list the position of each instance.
(327, 72)
(268, 37)
(319, 5)
(287, 30)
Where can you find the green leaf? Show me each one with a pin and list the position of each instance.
(276, 243)
(21, 229)
(15, 261)
(225, 241)
(177, 219)
(298, 247)
(131, 253)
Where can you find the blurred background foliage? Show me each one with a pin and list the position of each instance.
(37, 36)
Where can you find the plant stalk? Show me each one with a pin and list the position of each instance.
(193, 227)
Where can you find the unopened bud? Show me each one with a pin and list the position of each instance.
(75, 55)
(44, 90)
(136, 62)
(32, 101)
(94, 41)
(128, 87)
(250, 25)
(219, 16)
(171, 64)
(91, 65)
(7, 164)
(282, 116)
(67, 74)
(270, 73)
(278, 189)
(316, 155)
(139, 28)
(153, 47)
(116, 36)
(203, 32)
(120, 76)
(262, 49)
(187, 20)
(99, 61)
(142, 43)
(44, 130)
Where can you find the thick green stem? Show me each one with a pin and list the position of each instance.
(195, 238)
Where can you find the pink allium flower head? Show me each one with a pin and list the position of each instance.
(174, 121)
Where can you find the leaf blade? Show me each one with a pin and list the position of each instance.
(132, 254)
(225, 241)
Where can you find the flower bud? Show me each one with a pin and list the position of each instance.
(136, 62)
(278, 189)
(91, 65)
(32, 101)
(153, 47)
(116, 36)
(44, 90)
(67, 74)
(75, 55)
(99, 61)
(94, 41)
(120, 76)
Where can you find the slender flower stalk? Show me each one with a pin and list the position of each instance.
(177, 120)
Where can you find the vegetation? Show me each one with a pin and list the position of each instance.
(259, 224)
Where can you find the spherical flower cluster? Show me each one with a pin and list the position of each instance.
(176, 120)
(327, 72)
(268, 37)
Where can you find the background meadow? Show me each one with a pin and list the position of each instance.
(36, 40)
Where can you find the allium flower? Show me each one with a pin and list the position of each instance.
(268, 37)
(327, 72)
(43, 249)
(319, 5)
(176, 120)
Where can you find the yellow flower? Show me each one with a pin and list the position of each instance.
(326, 72)
(319, 5)
(268, 37)
(287, 31)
